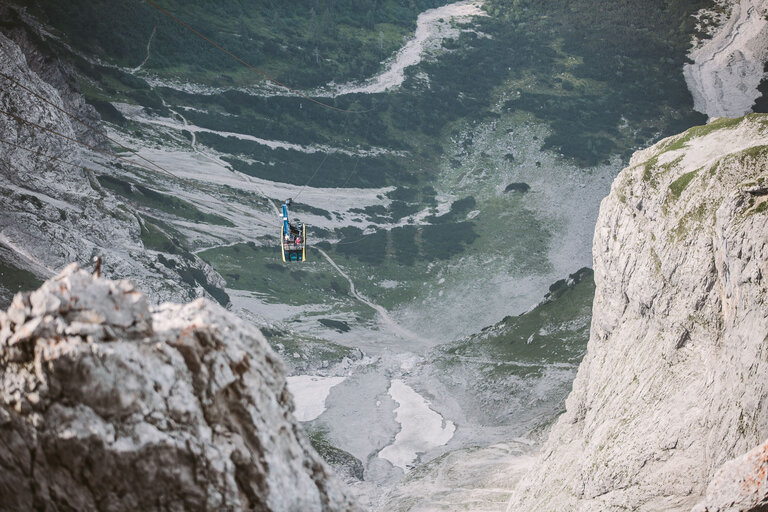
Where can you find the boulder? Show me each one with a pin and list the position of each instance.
(107, 404)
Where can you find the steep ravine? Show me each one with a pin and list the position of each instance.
(674, 381)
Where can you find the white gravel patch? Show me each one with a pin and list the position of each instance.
(421, 428)
(309, 394)
(432, 27)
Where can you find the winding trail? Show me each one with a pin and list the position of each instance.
(397, 329)
(149, 47)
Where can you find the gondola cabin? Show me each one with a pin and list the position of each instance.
(293, 238)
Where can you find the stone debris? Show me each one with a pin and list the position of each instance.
(727, 68)
(106, 404)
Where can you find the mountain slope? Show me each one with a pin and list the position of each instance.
(673, 384)
(55, 207)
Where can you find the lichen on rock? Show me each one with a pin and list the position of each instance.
(106, 404)
(740, 485)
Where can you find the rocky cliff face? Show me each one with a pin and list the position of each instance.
(675, 381)
(108, 405)
(52, 208)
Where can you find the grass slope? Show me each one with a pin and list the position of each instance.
(497, 370)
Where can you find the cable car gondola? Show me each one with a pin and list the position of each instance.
(293, 237)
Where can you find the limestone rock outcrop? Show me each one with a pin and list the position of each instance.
(675, 380)
(106, 404)
(740, 485)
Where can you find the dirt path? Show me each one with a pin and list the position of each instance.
(383, 313)
(149, 48)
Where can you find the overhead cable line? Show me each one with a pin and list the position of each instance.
(67, 162)
(131, 162)
(90, 127)
(358, 240)
(97, 131)
(93, 148)
(40, 153)
(313, 174)
(89, 146)
(138, 155)
(249, 66)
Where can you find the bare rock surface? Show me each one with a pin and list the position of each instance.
(106, 404)
(675, 380)
(740, 485)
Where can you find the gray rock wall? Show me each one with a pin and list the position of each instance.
(108, 405)
(675, 381)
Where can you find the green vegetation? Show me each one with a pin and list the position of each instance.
(692, 219)
(677, 186)
(753, 152)
(605, 76)
(614, 77)
(518, 187)
(302, 42)
(335, 324)
(601, 63)
(194, 276)
(342, 462)
(406, 244)
(312, 352)
(761, 103)
(701, 131)
(143, 196)
(259, 269)
(501, 364)
(154, 239)
(305, 208)
(159, 236)
(648, 168)
(521, 339)
(297, 167)
(674, 163)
